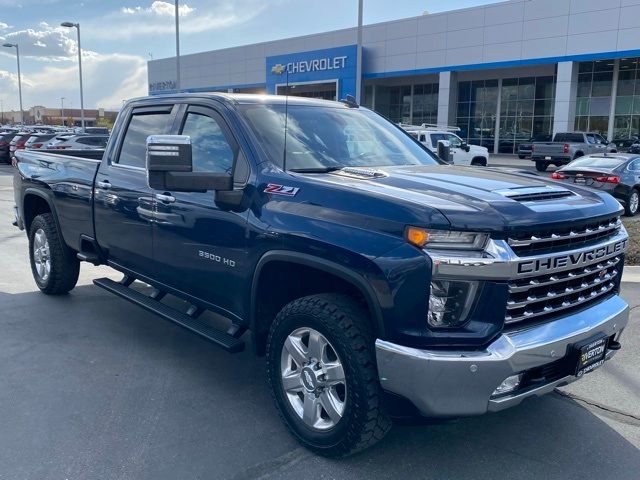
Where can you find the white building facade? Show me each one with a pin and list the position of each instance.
(502, 73)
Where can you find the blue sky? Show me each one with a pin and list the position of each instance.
(118, 37)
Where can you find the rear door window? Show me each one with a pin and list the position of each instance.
(141, 125)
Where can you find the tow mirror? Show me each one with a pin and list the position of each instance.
(465, 146)
(170, 167)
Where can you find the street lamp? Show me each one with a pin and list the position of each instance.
(15, 45)
(178, 46)
(359, 54)
(77, 26)
(62, 110)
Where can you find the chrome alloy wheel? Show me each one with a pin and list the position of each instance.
(41, 255)
(634, 200)
(313, 378)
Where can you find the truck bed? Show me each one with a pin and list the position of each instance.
(68, 180)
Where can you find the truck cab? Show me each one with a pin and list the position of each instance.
(461, 153)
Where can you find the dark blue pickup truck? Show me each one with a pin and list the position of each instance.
(378, 281)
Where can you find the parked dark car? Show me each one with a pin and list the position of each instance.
(96, 131)
(5, 140)
(624, 144)
(524, 149)
(82, 142)
(618, 175)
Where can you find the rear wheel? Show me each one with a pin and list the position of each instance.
(521, 157)
(322, 372)
(541, 166)
(54, 266)
(633, 203)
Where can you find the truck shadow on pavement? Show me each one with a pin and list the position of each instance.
(93, 387)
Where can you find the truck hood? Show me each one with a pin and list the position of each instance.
(477, 149)
(483, 199)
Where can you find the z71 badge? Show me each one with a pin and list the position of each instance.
(276, 189)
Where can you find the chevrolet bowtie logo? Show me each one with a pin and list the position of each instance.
(278, 69)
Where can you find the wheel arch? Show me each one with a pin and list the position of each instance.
(34, 203)
(303, 263)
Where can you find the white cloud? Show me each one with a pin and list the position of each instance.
(108, 79)
(161, 9)
(158, 18)
(4, 26)
(46, 44)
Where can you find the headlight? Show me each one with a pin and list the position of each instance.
(450, 303)
(445, 239)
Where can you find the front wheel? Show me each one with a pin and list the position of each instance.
(322, 372)
(541, 166)
(55, 269)
(633, 203)
(522, 157)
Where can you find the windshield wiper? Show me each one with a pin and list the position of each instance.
(315, 169)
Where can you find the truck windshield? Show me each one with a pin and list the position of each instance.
(332, 137)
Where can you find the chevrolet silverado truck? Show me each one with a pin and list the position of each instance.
(566, 147)
(378, 281)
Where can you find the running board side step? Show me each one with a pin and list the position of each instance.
(191, 323)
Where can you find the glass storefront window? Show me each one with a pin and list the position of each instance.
(595, 81)
(477, 105)
(526, 110)
(627, 116)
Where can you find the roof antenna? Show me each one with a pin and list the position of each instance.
(286, 120)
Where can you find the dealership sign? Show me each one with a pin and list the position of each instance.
(330, 65)
(315, 65)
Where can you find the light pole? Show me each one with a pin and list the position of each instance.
(359, 54)
(178, 46)
(1, 112)
(62, 110)
(77, 26)
(15, 45)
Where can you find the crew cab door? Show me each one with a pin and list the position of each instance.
(199, 246)
(123, 202)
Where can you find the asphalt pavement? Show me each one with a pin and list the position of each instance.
(92, 387)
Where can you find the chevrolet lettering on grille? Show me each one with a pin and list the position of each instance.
(571, 260)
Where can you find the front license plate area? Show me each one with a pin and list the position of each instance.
(590, 355)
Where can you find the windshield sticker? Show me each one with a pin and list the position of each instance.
(276, 189)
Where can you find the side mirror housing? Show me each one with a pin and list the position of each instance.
(465, 146)
(170, 167)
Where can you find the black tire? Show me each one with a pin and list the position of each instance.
(479, 162)
(578, 155)
(345, 324)
(64, 266)
(628, 210)
(522, 157)
(541, 166)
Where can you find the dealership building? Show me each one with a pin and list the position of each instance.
(502, 73)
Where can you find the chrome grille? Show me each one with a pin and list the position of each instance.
(542, 297)
(563, 238)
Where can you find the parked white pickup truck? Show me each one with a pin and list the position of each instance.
(463, 153)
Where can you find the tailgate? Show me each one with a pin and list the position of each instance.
(551, 149)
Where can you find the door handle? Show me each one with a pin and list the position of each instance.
(104, 184)
(164, 198)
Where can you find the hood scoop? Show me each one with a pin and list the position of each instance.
(362, 173)
(536, 194)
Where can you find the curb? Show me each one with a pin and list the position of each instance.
(631, 274)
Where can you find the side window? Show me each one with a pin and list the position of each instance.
(591, 139)
(134, 146)
(455, 141)
(212, 152)
(635, 166)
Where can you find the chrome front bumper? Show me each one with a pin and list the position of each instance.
(460, 383)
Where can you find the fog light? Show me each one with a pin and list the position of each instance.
(509, 385)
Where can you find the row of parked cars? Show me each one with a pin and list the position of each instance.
(13, 139)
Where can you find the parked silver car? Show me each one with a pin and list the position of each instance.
(82, 142)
